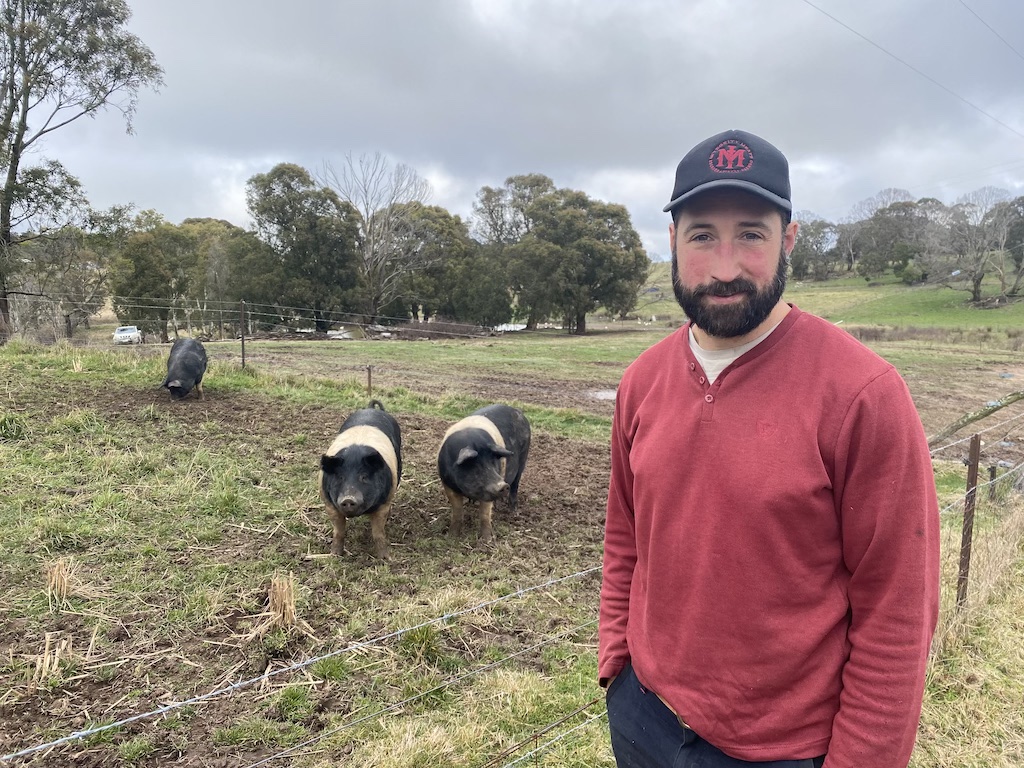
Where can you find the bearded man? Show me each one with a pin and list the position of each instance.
(771, 561)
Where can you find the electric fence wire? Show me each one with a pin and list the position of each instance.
(546, 745)
(224, 690)
(959, 501)
(977, 432)
(398, 705)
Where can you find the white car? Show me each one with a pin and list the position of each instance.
(128, 334)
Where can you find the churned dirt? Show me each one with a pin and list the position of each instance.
(556, 531)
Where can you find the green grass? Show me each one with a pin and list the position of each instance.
(882, 302)
(178, 517)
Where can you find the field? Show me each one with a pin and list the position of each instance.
(157, 552)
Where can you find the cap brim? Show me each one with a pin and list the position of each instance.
(747, 186)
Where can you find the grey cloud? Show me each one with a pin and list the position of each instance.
(581, 91)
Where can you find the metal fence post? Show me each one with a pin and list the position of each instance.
(241, 324)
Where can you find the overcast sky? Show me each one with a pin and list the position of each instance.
(603, 96)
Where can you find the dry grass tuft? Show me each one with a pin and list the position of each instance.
(63, 582)
(280, 613)
(56, 651)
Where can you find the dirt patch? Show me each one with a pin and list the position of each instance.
(555, 531)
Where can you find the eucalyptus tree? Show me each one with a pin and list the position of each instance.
(60, 60)
(595, 258)
(314, 234)
(975, 233)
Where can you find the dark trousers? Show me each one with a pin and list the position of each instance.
(645, 734)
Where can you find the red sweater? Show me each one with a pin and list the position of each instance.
(771, 558)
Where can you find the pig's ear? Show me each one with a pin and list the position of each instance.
(329, 463)
(465, 455)
(503, 452)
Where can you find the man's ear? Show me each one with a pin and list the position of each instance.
(789, 237)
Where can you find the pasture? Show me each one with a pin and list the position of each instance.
(142, 538)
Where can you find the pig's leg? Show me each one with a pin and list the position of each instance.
(486, 531)
(458, 510)
(377, 521)
(339, 523)
(199, 389)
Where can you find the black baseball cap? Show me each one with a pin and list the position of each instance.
(735, 159)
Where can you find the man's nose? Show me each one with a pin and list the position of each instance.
(725, 266)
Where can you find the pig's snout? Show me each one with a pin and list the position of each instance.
(498, 488)
(349, 504)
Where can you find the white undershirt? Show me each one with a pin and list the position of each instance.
(714, 361)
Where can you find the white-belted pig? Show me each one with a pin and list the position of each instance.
(360, 473)
(481, 457)
(185, 368)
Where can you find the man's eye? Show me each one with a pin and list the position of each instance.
(702, 237)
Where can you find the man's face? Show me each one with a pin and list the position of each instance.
(729, 261)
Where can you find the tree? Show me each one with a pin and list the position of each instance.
(151, 277)
(1015, 243)
(599, 257)
(219, 278)
(975, 232)
(502, 214)
(812, 255)
(67, 272)
(60, 60)
(315, 235)
(381, 193)
(866, 208)
(463, 281)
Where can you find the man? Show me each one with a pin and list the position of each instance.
(771, 546)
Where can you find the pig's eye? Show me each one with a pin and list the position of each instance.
(364, 478)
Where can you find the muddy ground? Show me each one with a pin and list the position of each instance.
(135, 666)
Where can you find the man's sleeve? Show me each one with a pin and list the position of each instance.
(885, 494)
(619, 553)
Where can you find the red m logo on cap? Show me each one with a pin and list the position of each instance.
(731, 158)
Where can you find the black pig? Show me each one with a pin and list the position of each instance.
(360, 473)
(185, 368)
(480, 458)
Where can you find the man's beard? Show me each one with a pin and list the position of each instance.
(727, 321)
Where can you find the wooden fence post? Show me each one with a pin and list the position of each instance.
(968, 532)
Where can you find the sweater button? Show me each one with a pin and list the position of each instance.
(701, 379)
(693, 367)
(709, 399)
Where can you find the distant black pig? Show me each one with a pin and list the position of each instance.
(481, 457)
(185, 368)
(360, 473)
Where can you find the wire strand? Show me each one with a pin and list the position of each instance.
(912, 68)
(294, 667)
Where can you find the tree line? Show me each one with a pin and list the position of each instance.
(362, 238)
(979, 236)
(357, 241)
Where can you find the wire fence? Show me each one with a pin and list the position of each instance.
(247, 683)
(214, 319)
(994, 542)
